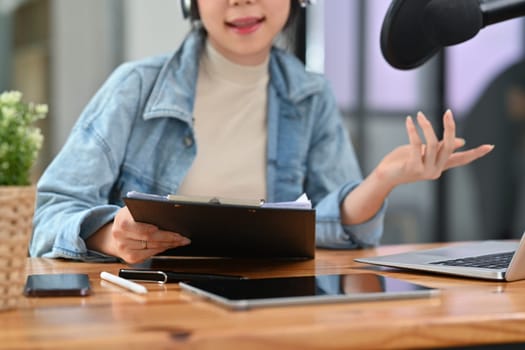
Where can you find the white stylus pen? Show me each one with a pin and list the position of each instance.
(124, 283)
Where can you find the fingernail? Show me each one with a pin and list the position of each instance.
(185, 241)
(463, 141)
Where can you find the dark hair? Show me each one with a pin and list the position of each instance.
(295, 9)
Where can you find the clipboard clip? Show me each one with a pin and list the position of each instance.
(214, 200)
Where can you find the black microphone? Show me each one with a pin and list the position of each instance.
(414, 30)
(452, 22)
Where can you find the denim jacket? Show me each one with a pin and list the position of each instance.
(137, 134)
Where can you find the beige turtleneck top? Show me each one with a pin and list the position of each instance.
(230, 128)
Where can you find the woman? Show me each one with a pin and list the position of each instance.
(228, 115)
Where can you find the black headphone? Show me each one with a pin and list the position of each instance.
(186, 6)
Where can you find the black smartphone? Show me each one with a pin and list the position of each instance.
(62, 284)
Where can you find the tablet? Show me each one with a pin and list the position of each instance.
(251, 293)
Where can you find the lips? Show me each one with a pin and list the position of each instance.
(245, 25)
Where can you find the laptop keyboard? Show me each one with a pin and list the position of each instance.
(489, 261)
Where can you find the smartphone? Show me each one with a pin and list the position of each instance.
(62, 284)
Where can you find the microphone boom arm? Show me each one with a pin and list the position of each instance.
(501, 10)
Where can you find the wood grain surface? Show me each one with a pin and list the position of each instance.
(466, 312)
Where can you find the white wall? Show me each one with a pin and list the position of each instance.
(152, 27)
(91, 37)
(81, 57)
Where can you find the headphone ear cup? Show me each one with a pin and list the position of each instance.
(186, 8)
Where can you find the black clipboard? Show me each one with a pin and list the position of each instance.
(229, 230)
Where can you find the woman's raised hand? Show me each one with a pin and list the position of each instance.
(428, 159)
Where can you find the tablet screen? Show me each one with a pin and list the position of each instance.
(307, 289)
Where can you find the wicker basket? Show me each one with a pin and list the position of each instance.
(16, 218)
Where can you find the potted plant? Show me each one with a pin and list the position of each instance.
(20, 142)
(20, 139)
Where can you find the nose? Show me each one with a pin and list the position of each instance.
(241, 2)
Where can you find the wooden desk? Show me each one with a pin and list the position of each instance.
(467, 312)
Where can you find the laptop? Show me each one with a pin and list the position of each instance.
(501, 260)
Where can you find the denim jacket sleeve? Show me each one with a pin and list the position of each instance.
(73, 192)
(332, 162)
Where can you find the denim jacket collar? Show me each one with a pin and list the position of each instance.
(173, 94)
(290, 85)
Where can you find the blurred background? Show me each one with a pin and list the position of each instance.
(60, 51)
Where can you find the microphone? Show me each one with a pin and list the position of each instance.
(414, 30)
